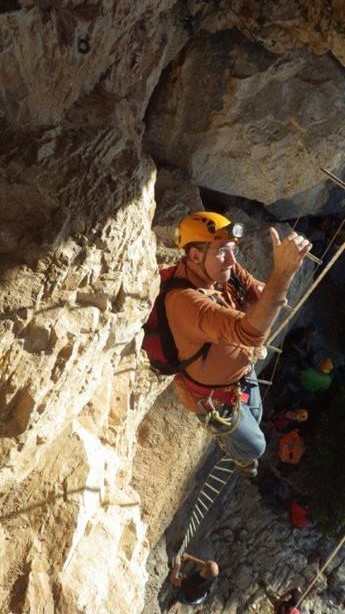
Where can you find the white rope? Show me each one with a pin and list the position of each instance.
(307, 293)
(332, 555)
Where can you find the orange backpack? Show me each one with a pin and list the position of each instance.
(291, 447)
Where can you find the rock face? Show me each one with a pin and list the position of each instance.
(168, 438)
(77, 277)
(265, 123)
(78, 269)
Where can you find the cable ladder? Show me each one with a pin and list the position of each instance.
(216, 480)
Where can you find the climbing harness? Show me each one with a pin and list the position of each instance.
(221, 409)
(216, 480)
(220, 424)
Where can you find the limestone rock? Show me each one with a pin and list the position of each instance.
(265, 122)
(171, 444)
(175, 196)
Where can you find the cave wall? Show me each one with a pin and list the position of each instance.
(78, 271)
(253, 105)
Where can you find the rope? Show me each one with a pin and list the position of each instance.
(212, 487)
(333, 177)
(230, 418)
(332, 555)
(307, 294)
(333, 239)
(340, 183)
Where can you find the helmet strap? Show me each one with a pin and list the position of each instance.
(202, 265)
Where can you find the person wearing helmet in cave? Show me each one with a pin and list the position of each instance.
(233, 312)
(194, 587)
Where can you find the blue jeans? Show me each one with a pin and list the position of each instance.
(247, 441)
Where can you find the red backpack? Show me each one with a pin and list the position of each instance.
(159, 343)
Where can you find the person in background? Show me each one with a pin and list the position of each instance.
(319, 378)
(284, 420)
(287, 604)
(194, 587)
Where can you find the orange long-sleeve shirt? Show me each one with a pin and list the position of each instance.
(195, 319)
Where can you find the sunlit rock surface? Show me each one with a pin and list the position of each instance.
(243, 120)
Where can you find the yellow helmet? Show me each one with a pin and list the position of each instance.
(205, 227)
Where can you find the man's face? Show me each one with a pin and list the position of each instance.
(219, 260)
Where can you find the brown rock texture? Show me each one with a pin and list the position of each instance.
(78, 273)
(169, 439)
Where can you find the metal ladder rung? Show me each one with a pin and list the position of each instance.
(274, 349)
(213, 477)
(226, 470)
(265, 382)
(192, 523)
(202, 503)
(195, 517)
(225, 459)
(211, 488)
(196, 509)
(206, 496)
(313, 258)
(187, 538)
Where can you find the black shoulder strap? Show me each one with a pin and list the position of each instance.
(241, 292)
(167, 339)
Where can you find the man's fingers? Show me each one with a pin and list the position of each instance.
(274, 237)
(300, 241)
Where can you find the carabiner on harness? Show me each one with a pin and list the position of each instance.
(221, 420)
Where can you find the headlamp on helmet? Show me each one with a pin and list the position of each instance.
(237, 230)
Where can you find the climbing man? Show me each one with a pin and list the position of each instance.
(230, 313)
(194, 587)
